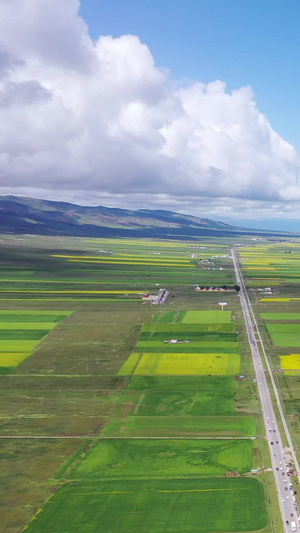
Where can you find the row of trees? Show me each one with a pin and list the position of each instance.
(237, 288)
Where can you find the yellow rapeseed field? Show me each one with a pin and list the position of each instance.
(124, 258)
(10, 359)
(290, 362)
(188, 364)
(278, 299)
(128, 367)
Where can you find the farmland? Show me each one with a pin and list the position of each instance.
(109, 424)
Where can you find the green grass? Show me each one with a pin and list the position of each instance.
(205, 317)
(125, 458)
(176, 426)
(157, 506)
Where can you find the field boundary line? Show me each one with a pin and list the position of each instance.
(121, 438)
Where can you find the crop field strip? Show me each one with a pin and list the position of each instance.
(71, 388)
(19, 338)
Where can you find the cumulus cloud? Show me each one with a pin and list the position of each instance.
(100, 120)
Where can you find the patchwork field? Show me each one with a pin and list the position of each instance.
(144, 418)
(21, 332)
(272, 273)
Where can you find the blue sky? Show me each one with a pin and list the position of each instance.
(187, 106)
(241, 42)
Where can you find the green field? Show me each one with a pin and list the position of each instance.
(284, 328)
(188, 402)
(8, 325)
(280, 316)
(286, 339)
(206, 336)
(123, 458)
(18, 345)
(193, 345)
(173, 329)
(175, 426)
(154, 507)
(205, 317)
(211, 384)
(165, 318)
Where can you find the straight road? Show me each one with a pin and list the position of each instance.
(288, 507)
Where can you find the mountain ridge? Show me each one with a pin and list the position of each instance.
(46, 217)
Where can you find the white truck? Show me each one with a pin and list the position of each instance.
(293, 526)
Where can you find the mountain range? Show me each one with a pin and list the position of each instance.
(21, 215)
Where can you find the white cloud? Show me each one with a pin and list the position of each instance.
(100, 120)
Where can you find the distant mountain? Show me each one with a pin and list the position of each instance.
(43, 217)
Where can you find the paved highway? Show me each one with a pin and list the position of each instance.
(288, 506)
